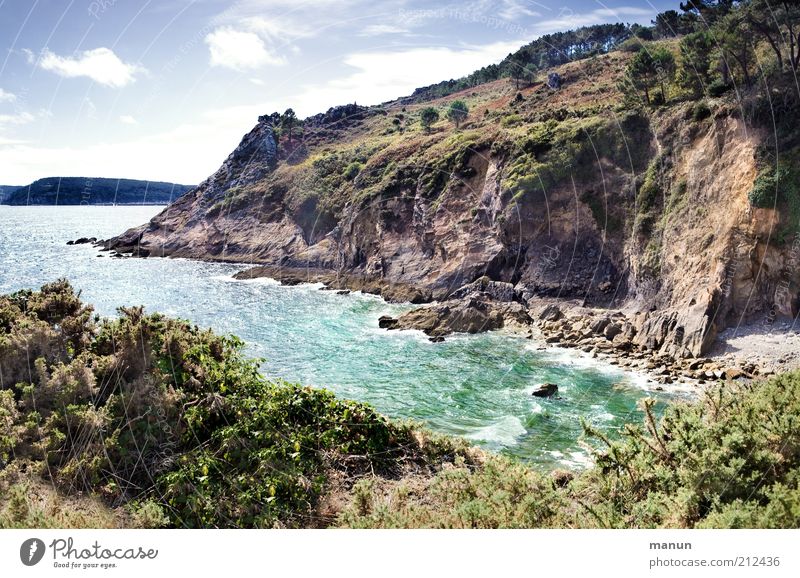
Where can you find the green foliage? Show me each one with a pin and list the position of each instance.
(718, 87)
(501, 494)
(779, 188)
(729, 460)
(694, 62)
(651, 67)
(428, 116)
(764, 193)
(173, 420)
(288, 121)
(700, 111)
(457, 112)
(545, 52)
(351, 171)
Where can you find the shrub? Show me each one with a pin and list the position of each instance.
(457, 112)
(700, 111)
(764, 193)
(428, 117)
(352, 170)
(718, 88)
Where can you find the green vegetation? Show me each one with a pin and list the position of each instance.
(552, 152)
(288, 120)
(174, 423)
(457, 112)
(145, 421)
(777, 186)
(730, 460)
(722, 43)
(649, 68)
(543, 53)
(428, 117)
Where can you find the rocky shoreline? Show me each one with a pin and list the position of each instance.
(609, 335)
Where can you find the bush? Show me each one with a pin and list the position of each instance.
(718, 88)
(428, 116)
(728, 460)
(174, 421)
(764, 193)
(700, 111)
(352, 170)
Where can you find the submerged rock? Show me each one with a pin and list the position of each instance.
(545, 390)
(386, 322)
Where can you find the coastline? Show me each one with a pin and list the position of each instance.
(607, 335)
(729, 358)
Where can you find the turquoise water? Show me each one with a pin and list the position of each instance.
(474, 386)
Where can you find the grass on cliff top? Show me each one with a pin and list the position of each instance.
(145, 421)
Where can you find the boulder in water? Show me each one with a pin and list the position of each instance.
(545, 390)
(386, 322)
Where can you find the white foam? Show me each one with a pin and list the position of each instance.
(254, 281)
(575, 358)
(581, 458)
(504, 431)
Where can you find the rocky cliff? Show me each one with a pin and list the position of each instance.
(565, 193)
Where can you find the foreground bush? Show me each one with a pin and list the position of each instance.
(144, 421)
(160, 417)
(730, 460)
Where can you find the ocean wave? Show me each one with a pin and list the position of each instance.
(503, 432)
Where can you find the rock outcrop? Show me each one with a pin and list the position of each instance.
(642, 213)
(473, 313)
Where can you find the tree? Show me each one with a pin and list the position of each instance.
(288, 121)
(777, 22)
(668, 24)
(457, 112)
(735, 44)
(695, 61)
(664, 62)
(707, 12)
(518, 63)
(428, 116)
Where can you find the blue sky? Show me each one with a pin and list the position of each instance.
(164, 89)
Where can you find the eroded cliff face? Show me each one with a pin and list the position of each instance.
(647, 213)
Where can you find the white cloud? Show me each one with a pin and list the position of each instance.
(7, 96)
(99, 64)
(239, 50)
(89, 108)
(382, 76)
(128, 119)
(568, 20)
(18, 118)
(513, 10)
(382, 29)
(185, 154)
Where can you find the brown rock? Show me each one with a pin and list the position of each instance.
(612, 330)
(545, 390)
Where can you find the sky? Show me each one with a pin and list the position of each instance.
(165, 89)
